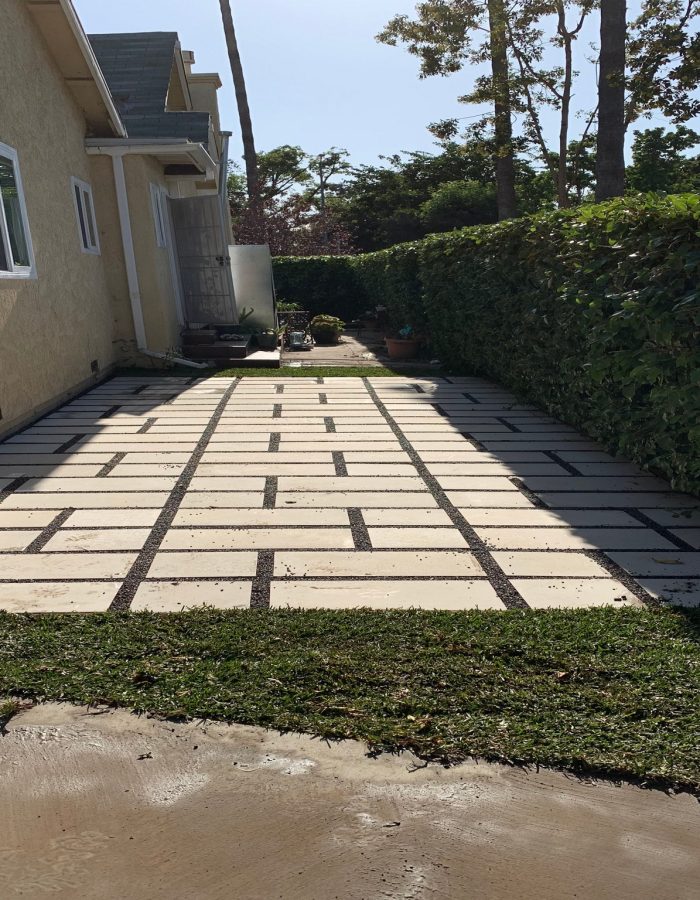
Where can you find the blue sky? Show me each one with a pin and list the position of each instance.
(316, 76)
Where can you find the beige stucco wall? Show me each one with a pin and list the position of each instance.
(153, 262)
(51, 328)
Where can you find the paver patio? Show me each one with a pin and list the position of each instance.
(162, 493)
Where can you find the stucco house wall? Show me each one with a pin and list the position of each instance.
(51, 327)
(152, 261)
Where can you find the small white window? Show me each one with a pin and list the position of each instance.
(85, 212)
(16, 253)
(159, 219)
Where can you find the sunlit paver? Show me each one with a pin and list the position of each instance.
(168, 493)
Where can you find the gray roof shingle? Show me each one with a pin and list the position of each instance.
(137, 69)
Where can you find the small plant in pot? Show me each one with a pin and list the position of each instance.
(268, 338)
(404, 345)
(326, 329)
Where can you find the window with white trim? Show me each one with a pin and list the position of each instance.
(16, 253)
(159, 215)
(85, 213)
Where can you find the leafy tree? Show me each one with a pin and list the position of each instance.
(281, 170)
(660, 162)
(457, 204)
(324, 168)
(446, 36)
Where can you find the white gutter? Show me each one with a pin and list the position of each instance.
(93, 65)
(131, 270)
(149, 147)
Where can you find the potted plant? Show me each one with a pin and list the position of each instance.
(326, 329)
(405, 345)
(268, 338)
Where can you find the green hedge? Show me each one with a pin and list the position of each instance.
(593, 314)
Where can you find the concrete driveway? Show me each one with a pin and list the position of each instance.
(161, 493)
(107, 806)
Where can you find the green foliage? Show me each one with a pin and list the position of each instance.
(660, 163)
(458, 204)
(327, 329)
(320, 283)
(593, 314)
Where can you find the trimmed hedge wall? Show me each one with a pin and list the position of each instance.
(592, 314)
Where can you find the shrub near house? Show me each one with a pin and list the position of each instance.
(592, 313)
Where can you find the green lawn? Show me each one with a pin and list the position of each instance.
(329, 372)
(609, 691)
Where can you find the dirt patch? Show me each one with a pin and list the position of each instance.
(107, 805)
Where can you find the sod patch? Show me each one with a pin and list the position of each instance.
(606, 691)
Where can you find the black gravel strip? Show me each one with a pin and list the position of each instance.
(320, 380)
(660, 530)
(270, 497)
(279, 388)
(418, 389)
(140, 388)
(145, 558)
(110, 412)
(554, 456)
(360, 533)
(621, 575)
(51, 529)
(526, 492)
(147, 425)
(12, 487)
(330, 424)
(341, 468)
(275, 439)
(323, 399)
(495, 574)
(69, 443)
(439, 409)
(508, 425)
(111, 465)
(470, 398)
(277, 411)
(260, 593)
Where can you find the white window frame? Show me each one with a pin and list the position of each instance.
(86, 216)
(159, 217)
(16, 271)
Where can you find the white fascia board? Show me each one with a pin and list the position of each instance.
(93, 65)
(137, 147)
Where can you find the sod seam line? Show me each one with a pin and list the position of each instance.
(497, 577)
(145, 557)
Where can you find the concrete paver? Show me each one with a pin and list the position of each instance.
(385, 492)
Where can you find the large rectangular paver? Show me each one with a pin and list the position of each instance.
(53, 566)
(416, 538)
(204, 564)
(573, 593)
(453, 595)
(57, 597)
(548, 564)
(256, 538)
(174, 596)
(377, 563)
(573, 539)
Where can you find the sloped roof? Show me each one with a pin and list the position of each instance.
(137, 67)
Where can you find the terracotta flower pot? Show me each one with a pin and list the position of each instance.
(402, 348)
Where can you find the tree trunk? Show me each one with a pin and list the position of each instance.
(249, 154)
(610, 163)
(503, 156)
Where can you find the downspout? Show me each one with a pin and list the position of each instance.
(131, 270)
